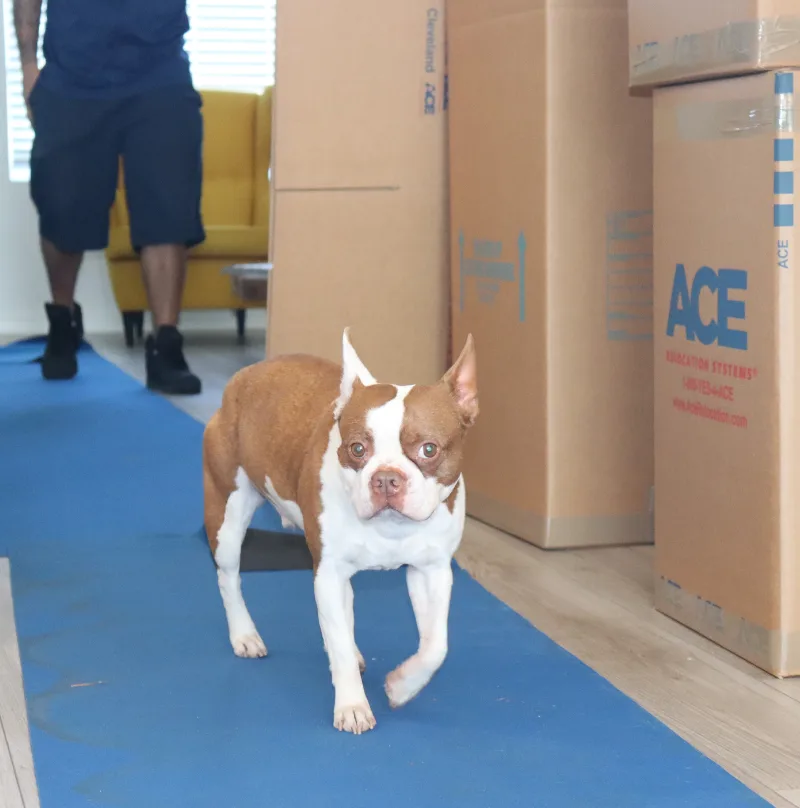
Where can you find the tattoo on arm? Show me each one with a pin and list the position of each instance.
(27, 14)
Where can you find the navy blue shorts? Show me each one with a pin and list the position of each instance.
(74, 167)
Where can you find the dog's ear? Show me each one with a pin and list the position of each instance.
(353, 371)
(462, 381)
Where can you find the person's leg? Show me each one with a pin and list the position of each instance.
(62, 273)
(162, 152)
(164, 271)
(74, 163)
(64, 314)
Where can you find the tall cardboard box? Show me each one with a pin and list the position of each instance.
(673, 41)
(359, 230)
(727, 408)
(551, 200)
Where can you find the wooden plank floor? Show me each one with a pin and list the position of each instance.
(17, 781)
(595, 603)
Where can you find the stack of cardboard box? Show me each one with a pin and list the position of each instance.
(545, 231)
(727, 333)
(550, 233)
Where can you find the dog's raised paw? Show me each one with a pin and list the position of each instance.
(357, 719)
(404, 683)
(396, 689)
(249, 646)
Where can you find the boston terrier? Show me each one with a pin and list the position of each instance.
(371, 472)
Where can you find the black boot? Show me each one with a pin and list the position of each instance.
(63, 341)
(167, 371)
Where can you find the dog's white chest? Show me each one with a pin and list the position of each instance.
(388, 543)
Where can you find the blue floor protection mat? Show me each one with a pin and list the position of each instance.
(95, 458)
(135, 699)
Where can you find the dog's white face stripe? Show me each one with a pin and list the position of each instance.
(385, 423)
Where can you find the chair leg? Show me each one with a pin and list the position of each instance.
(241, 319)
(133, 323)
(129, 325)
(139, 322)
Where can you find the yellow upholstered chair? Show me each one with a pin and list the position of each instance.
(235, 205)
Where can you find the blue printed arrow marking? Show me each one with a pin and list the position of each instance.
(521, 246)
(486, 265)
(461, 266)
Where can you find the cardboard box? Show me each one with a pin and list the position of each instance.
(359, 231)
(673, 41)
(551, 189)
(727, 407)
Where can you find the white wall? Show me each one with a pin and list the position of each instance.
(23, 281)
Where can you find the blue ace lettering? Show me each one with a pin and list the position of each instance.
(684, 307)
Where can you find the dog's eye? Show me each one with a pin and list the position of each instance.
(358, 450)
(428, 451)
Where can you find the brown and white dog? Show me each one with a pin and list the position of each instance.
(371, 472)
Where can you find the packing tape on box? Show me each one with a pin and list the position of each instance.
(565, 531)
(775, 40)
(727, 119)
(775, 650)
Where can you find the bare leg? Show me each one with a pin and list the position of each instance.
(62, 272)
(59, 360)
(351, 710)
(164, 274)
(430, 589)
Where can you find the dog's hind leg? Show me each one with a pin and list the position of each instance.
(242, 504)
(231, 500)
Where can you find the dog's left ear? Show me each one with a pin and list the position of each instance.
(353, 370)
(462, 380)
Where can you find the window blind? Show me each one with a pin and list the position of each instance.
(20, 135)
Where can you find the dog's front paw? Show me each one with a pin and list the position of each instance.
(355, 719)
(249, 645)
(405, 682)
